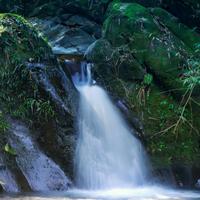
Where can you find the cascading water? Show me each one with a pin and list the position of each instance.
(107, 154)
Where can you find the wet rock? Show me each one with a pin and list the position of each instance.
(8, 182)
(197, 185)
(38, 91)
(40, 171)
(108, 60)
(84, 24)
(69, 36)
(132, 119)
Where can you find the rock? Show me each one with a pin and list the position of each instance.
(41, 172)
(159, 44)
(188, 12)
(34, 88)
(68, 37)
(84, 24)
(93, 9)
(44, 9)
(110, 61)
(8, 182)
(155, 44)
(28, 62)
(197, 185)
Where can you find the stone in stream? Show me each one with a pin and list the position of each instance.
(41, 172)
(71, 35)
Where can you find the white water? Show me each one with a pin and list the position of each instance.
(107, 154)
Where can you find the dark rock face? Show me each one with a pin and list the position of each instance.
(187, 11)
(7, 180)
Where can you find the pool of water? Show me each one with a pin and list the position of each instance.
(144, 193)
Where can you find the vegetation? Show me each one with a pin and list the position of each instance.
(20, 94)
(166, 109)
(3, 124)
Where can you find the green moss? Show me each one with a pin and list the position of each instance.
(167, 139)
(127, 9)
(19, 44)
(160, 113)
(188, 36)
(157, 41)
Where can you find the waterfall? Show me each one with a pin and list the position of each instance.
(107, 154)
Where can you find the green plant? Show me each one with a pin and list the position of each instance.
(3, 123)
(192, 75)
(148, 79)
(9, 149)
(35, 109)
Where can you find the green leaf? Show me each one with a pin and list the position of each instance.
(148, 78)
(9, 150)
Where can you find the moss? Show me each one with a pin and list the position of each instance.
(155, 39)
(159, 113)
(19, 44)
(188, 36)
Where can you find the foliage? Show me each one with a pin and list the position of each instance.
(192, 76)
(20, 43)
(148, 79)
(37, 109)
(9, 149)
(3, 123)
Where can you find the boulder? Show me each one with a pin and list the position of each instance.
(161, 45)
(68, 35)
(155, 44)
(35, 89)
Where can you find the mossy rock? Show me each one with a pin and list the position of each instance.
(155, 38)
(116, 61)
(29, 72)
(25, 58)
(186, 11)
(167, 140)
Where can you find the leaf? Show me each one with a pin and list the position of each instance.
(9, 150)
(148, 78)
